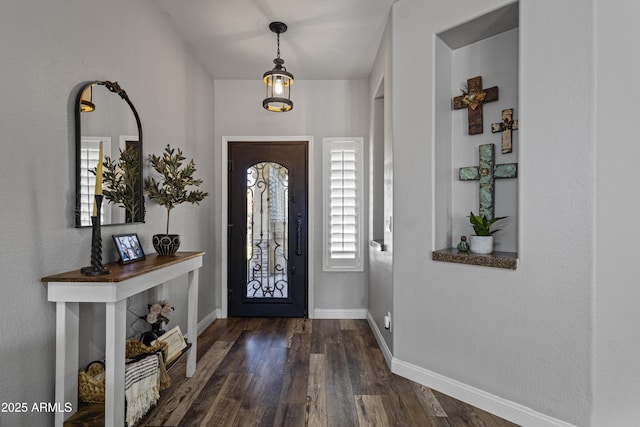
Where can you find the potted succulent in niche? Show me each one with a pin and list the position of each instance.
(171, 190)
(482, 241)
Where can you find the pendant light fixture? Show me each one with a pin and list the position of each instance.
(278, 80)
(86, 101)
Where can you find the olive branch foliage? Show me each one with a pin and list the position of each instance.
(120, 178)
(171, 189)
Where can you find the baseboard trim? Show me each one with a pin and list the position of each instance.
(349, 313)
(381, 342)
(503, 408)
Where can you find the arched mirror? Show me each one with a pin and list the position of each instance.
(106, 117)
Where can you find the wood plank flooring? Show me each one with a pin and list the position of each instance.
(301, 372)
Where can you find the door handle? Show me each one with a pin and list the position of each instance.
(298, 238)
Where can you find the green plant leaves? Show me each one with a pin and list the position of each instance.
(120, 179)
(172, 189)
(482, 225)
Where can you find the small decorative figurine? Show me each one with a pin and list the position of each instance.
(463, 246)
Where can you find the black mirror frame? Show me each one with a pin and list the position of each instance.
(115, 88)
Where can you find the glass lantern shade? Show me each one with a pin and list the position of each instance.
(278, 83)
(86, 101)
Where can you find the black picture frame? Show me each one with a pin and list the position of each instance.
(129, 248)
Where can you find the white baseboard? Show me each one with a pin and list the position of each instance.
(503, 408)
(350, 313)
(381, 342)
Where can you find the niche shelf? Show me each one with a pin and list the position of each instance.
(487, 46)
(497, 259)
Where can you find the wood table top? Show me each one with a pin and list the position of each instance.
(121, 272)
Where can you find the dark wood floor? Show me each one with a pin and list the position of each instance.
(301, 372)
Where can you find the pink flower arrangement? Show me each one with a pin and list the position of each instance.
(158, 312)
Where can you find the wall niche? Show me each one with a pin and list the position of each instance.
(487, 46)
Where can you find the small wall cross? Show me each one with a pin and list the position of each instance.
(487, 173)
(506, 126)
(472, 99)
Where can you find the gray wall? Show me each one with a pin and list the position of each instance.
(559, 335)
(381, 179)
(525, 335)
(616, 397)
(48, 49)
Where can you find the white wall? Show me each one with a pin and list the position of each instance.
(525, 335)
(616, 399)
(321, 109)
(48, 49)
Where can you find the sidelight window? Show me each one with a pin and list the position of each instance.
(343, 204)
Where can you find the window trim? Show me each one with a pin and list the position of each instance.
(329, 144)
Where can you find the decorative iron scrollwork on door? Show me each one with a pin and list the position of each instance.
(267, 230)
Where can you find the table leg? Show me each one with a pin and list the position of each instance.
(114, 362)
(192, 321)
(67, 338)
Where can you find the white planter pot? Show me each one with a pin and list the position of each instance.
(481, 244)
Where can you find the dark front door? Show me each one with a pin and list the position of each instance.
(268, 229)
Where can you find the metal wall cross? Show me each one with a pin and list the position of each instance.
(487, 173)
(472, 99)
(506, 126)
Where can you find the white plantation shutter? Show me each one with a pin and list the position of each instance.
(89, 153)
(343, 203)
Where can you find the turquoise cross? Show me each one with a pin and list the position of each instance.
(487, 173)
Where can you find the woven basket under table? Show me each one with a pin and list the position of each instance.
(91, 381)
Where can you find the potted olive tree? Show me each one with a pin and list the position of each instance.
(171, 190)
(482, 241)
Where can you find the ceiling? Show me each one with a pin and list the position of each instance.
(325, 40)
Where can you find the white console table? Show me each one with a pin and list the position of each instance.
(69, 289)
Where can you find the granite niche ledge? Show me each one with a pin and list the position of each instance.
(508, 260)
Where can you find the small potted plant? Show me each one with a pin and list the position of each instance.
(171, 190)
(482, 241)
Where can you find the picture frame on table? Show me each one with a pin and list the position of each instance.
(129, 248)
(175, 342)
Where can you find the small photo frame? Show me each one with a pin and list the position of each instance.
(175, 343)
(128, 247)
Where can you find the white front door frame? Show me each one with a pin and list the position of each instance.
(225, 212)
